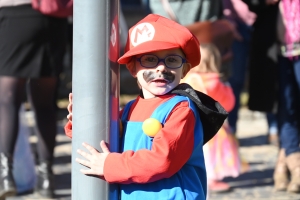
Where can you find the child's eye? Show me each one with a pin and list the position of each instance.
(172, 59)
(149, 59)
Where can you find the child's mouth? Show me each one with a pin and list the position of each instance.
(160, 80)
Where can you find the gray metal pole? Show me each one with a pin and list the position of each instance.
(95, 89)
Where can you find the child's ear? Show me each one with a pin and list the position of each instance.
(131, 68)
(185, 69)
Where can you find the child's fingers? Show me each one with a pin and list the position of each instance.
(86, 171)
(84, 154)
(91, 149)
(69, 117)
(71, 97)
(91, 172)
(70, 107)
(83, 162)
(104, 147)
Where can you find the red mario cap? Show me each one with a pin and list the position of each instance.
(155, 33)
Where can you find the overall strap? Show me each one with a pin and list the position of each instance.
(162, 112)
(126, 110)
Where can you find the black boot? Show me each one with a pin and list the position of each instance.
(7, 184)
(45, 180)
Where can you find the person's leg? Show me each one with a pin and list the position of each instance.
(288, 115)
(272, 122)
(288, 112)
(11, 90)
(273, 128)
(238, 71)
(280, 176)
(11, 93)
(41, 93)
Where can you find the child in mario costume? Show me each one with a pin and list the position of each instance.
(161, 153)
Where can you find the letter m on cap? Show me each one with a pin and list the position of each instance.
(141, 33)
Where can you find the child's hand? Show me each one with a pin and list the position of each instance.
(69, 116)
(95, 160)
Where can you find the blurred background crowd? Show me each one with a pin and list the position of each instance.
(252, 47)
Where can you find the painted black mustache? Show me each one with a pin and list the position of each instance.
(149, 76)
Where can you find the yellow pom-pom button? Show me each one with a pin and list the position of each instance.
(151, 127)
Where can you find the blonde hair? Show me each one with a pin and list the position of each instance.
(211, 59)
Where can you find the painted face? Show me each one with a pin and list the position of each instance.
(160, 79)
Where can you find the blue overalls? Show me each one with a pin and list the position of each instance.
(189, 182)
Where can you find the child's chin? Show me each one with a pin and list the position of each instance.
(159, 93)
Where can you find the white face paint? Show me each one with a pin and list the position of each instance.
(142, 33)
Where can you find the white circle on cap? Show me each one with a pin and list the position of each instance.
(142, 33)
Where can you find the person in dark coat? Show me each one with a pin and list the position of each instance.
(263, 65)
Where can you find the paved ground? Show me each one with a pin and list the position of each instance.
(256, 184)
